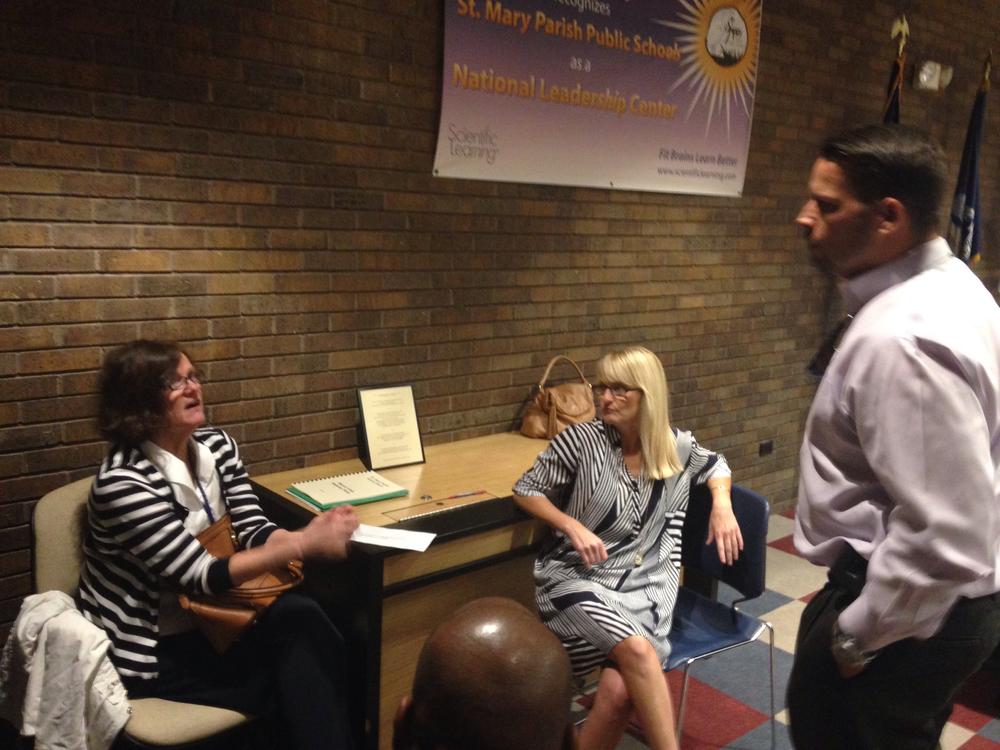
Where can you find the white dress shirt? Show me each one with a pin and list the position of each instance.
(196, 494)
(902, 446)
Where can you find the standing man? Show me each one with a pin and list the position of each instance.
(899, 491)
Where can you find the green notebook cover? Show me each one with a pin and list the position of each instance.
(368, 487)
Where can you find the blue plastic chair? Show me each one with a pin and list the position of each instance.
(703, 627)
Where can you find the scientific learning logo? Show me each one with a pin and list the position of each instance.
(719, 42)
(478, 144)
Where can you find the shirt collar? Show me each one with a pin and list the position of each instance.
(173, 469)
(613, 437)
(862, 288)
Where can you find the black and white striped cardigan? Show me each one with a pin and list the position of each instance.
(136, 543)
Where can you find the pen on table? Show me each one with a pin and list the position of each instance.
(470, 493)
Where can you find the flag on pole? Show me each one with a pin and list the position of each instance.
(963, 229)
(894, 91)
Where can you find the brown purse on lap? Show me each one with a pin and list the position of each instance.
(223, 618)
(554, 408)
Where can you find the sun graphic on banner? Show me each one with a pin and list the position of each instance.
(719, 41)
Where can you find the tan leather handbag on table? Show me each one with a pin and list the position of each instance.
(554, 408)
(223, 618)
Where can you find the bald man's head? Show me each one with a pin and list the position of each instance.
(491, 677)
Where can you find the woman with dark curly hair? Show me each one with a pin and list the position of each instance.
(166, 478)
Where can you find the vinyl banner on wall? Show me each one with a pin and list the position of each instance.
(631, 94)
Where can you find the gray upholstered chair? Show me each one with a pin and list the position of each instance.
(59, 524)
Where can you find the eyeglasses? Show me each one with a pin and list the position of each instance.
(195, 377)
(615, 389)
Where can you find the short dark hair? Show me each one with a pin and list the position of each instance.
(897, 161)
(490, 676)
(131, 387)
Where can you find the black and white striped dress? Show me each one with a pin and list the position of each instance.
(136, 543)
(633, 592)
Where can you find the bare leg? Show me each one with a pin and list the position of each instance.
(609, 716)
(640, 669)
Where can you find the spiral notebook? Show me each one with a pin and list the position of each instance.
(347, 489)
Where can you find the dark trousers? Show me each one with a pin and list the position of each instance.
(288, 666)
(903, 698)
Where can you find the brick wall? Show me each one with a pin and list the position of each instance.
(254, 179)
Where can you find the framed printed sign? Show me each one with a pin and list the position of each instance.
(389, 434)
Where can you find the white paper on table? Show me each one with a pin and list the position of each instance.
(417, 541)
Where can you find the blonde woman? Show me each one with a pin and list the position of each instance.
(615, 492)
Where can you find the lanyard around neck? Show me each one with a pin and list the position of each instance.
(193, 470)
(204, 500)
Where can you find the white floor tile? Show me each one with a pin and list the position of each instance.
(792, 575)
(779, 527)
(954, 736)
(785, 620)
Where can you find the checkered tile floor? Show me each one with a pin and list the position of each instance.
(728, 696)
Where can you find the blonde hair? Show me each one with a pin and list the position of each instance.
(637, 367)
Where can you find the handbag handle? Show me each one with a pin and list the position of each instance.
(552, 362)
(248, 595)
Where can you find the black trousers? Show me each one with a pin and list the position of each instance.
(903, 698)
(289, 666)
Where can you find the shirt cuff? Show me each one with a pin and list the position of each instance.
(218, 579)
(260, 537)
(721, 470)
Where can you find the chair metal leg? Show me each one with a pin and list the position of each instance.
(770, 632)
(683, 702)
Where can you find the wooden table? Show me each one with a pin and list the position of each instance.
(390, 600)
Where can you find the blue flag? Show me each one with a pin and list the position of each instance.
(963, 229)
(894, 91)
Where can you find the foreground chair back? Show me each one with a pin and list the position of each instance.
(59, 524)
(702, 626)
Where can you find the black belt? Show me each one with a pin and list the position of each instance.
(848, 571)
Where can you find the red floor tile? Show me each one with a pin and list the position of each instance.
(785, 544)
(977, 701)
(712, 719)
(980, 743)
